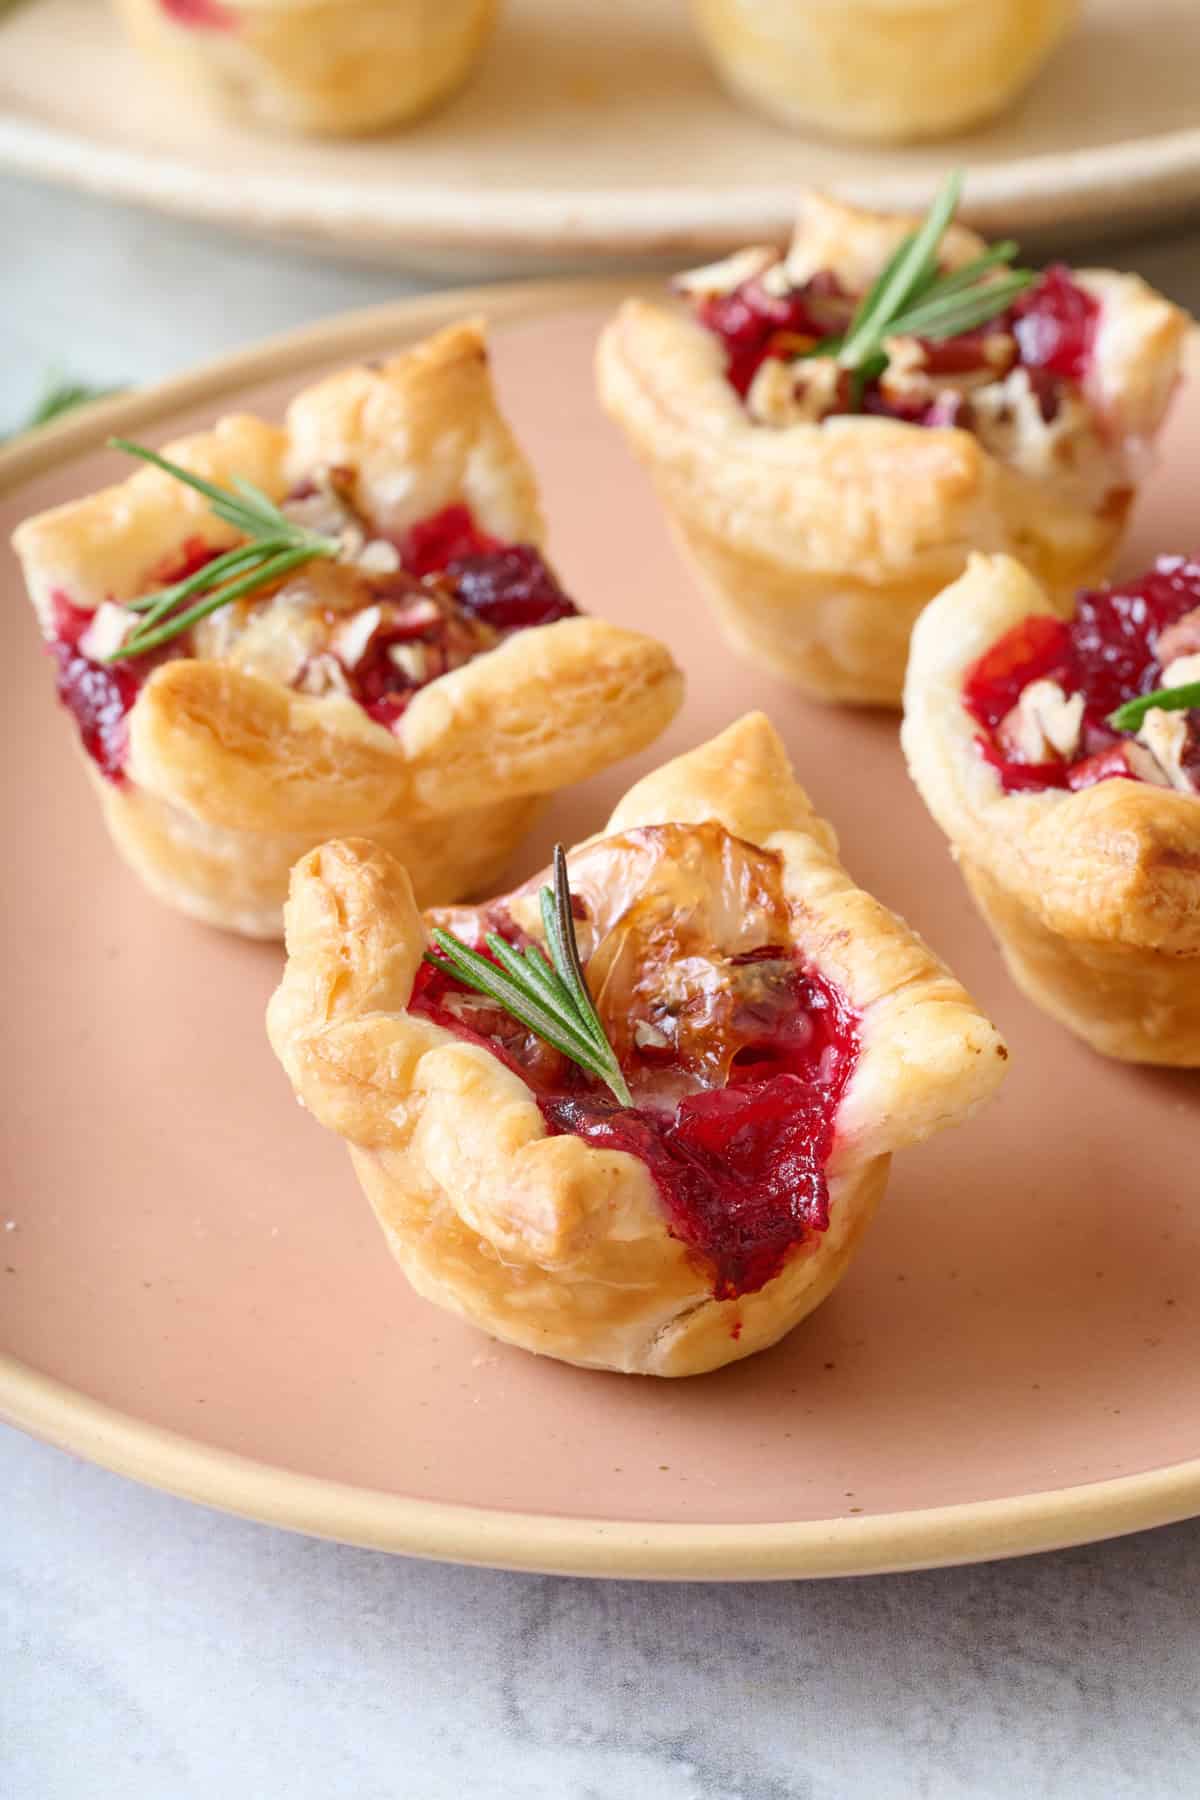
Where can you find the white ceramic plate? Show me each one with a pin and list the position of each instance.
(599, 132)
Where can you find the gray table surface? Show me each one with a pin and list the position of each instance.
(150, 1650)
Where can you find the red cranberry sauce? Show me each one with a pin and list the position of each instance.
(99, 695)
(1108, 652)
(1052, 329)
(200, 15)
(471, 592)
(739, 1167)
(460, 593)
(754, 324)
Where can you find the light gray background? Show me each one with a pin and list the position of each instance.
(153, 1651)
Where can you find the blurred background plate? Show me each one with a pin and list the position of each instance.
(594, 133)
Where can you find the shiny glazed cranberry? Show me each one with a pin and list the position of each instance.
(1108, 652)
(509, 589)
(444, 537)
(204, 15)
(1036, 649)
(1054, 324)
(753, 324)
(740, 1169)
(98, 696)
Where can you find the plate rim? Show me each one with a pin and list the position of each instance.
(616, 1549)
(1065, 188)
(872, 1543)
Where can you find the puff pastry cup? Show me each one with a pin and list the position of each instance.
(505, 1194)
(322, 66)
(818, 533)
(320, 707)
(1092, 890)
(888, 71)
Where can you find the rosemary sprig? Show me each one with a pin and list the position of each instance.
(1177, 699)
(548, 996)
(275, 546)
(910, 299)
(59, 395)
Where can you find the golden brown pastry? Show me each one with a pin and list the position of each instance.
(781, 1033)
(428, 686)
(823, 508)
(1080, 839)
(885, 70)
(326, 66)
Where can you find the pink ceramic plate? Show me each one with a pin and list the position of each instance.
(195, 1293)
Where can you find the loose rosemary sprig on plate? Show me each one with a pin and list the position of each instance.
(548, 996)
(275, 546)
(1175, 699)
(60, 395)
(909, 298)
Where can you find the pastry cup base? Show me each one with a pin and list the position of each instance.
(322, 67)
(238, 880)
(836, 637)
(880, 73)
(1136, 1004)
(453, 1268)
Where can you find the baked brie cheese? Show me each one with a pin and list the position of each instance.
(823, 496)
(773, 1035)
(1061, 757)
(423, 680)
(324, 66)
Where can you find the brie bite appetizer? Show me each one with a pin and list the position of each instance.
(638, 1120)
(887, 71)
(1062, 759)
(272, 635)
(325, 66)
(833, 429)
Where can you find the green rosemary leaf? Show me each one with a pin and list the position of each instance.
(276, 545)
(548, 995)
(905, 278)
(941, 317)
(1178, 699)
(533, 973)
(581, 999)
(968, 273)
(59, 396)
(163, 599)
(220, 497)
(273, 568)
(477, 972)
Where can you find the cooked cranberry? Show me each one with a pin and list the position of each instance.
(1050, 330)
(1106, 765)
(100, 695)
(740, 1169)
(509, 589)
(1036, 649)
(99, 698)
(96, 695)
(444, 537)
(202, 14)
(385, 709)
(460, 592)
(753, 324)
(1109, 652)
(1054, 323)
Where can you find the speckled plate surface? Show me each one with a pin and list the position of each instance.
(600, 132)
(192, 1289)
